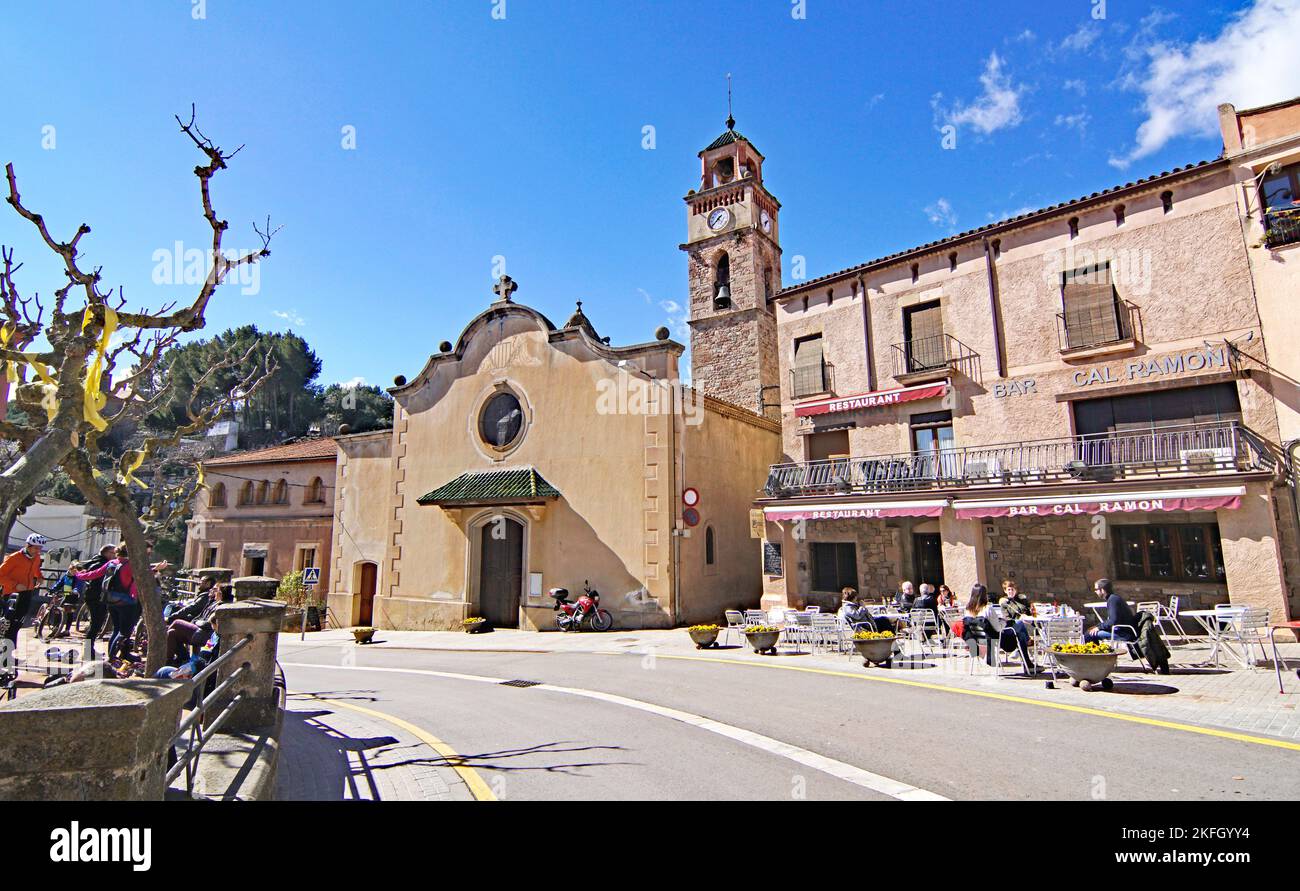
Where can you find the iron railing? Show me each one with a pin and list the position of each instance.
(1187, 450)
(1095, 326)
(936, 353)
(192, 724)
(1282, 227)
(812, 380)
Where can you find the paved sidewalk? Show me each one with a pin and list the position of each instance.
(328, 753)
(1229, 697)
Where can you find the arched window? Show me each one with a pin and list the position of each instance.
(246, 493)
(708, 546)
(767, 284)
(217, 495)
(315, 492)
(722, 282)
(281, 492)
(263, 489)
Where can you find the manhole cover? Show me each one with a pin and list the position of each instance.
(521, 683)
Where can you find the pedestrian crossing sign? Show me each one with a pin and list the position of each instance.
(311, 575)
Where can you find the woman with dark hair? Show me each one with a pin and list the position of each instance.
(1118, 612)
(1009, 636)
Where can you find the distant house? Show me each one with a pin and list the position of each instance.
(75, 531)
(267, 511)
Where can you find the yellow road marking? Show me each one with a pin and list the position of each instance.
(477, 787)
(1005, 697)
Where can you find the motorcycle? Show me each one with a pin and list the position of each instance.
(570, 616)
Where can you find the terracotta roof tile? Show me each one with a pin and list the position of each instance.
(302, 450)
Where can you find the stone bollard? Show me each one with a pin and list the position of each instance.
(92, 741)
(251, 587)
(261, 619)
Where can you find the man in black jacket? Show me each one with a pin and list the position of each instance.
(1121, 621)
(94, 595)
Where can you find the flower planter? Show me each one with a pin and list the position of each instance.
(704, 638)
(363, 635)
(879, 650)
(475, 627)
(763, 641)
(1088, 670)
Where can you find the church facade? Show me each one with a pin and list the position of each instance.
(529, 455)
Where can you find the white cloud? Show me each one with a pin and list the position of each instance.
(291, 317)
(875, 100)
(677, 315)
(1253, 61)
(1078, 121)
(357, 381)
(997, 107)
(1083, 38)
(1076, 86)
(940, 213)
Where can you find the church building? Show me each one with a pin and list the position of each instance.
(529, 455)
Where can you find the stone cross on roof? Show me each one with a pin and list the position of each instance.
(504, 287)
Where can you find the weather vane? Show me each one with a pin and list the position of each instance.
(731, 121)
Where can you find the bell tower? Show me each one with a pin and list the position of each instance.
(734, 272)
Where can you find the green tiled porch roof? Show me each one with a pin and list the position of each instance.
(519, 484)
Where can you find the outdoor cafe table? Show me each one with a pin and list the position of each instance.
(1212, 631)
(1277, 661)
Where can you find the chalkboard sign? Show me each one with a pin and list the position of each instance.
(772, 558)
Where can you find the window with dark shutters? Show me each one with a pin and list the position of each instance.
(835, 565)
(923, 328)
(809, 370)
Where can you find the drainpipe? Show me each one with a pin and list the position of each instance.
(866, 336)
(1289, 449)
(995, 310)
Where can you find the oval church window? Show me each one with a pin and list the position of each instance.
(502, 420)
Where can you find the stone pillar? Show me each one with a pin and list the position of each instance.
(261, 619)
(251, 587)
(963, 552)
(101, 740)
(781, 591)
(221, 575)
(1252, 559)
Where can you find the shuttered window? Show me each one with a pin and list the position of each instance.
(923, 328)
(834, 565)
(809, 371)
(1091, 310)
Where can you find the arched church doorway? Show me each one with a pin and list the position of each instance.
(501, 570)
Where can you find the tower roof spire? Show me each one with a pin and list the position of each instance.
(731, 120)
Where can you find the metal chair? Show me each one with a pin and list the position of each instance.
(827, 631)
(1057, 630)
(921, 623)
(1170, 614)
(1250, 630)
(735, 622)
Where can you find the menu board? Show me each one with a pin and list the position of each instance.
(772, 558)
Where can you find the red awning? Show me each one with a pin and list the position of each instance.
(859, 511)
(869, 400)
(1114, 502)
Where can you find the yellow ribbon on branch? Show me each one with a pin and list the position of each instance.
(128, 476)
(49, 389)
(95, 398)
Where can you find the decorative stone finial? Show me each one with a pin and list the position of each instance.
(505, 287)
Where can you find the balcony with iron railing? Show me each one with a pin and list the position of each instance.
(1282, 227)
(1099, 328)
(1175, 451)
(932, 358)
(812, 380)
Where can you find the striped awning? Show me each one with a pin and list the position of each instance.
(1223, 498)
(931, 507)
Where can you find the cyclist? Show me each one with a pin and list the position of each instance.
(95, 598)
(20, 574)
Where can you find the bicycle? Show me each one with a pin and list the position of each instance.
(55, 617)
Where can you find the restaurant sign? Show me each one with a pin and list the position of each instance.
(869, 400)
(1174, 365)
(1139, 502)
(933, 508)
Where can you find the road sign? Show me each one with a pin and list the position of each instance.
(691, 498)
(311, 576)
(691, 516)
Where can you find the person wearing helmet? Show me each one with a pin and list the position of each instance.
(20, 574)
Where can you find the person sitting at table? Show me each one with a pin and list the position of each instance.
(946, 597)
(928, 600)
(1013, 603)
(904, 599)
(1118, 612)
(852, 613)
(1010, 635)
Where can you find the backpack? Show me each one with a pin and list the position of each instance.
(115, 591)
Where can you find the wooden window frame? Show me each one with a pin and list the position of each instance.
(1211, 533)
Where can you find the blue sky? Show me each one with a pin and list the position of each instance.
(478, 136)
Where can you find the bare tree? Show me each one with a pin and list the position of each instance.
(62, 373)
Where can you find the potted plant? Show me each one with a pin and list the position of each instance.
(363, 635)
(1088, 665)
(875, 647)
(704, 635)
(474, 625)
(763, 638)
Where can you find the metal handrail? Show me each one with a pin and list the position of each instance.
(934, 353)
(193, 722)
(1172, 450)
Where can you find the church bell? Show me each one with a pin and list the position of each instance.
(722, 300)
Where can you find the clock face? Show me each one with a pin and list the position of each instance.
(766, 221)
(719, 218)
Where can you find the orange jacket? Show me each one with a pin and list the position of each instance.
(20, 572)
